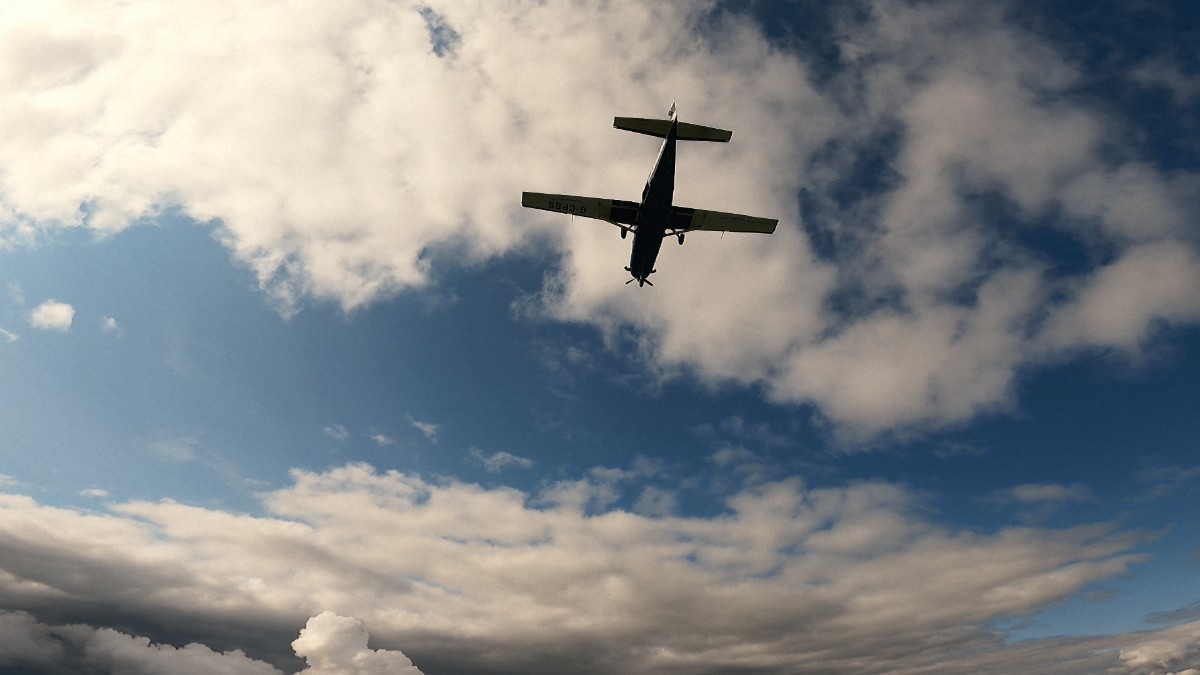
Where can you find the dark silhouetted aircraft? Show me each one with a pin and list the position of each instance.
(655, 216)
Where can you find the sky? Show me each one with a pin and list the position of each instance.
(290, 382)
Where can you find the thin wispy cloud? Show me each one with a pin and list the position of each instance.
(110, 326)
(428, 429)
(382, 439)
(498, 461)
(337, 432)
(172, 448)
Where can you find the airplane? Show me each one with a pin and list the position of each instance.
(655, 217)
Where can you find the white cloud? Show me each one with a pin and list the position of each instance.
(472, 579)
(9, 336)
(428, 429)
(109, 325)
(98, 493)
(1120, 304)
(922, 315)
(1174, 651)
(52, 315)
(382, 439)
(496, 461)
(337, 645)
(337, 432)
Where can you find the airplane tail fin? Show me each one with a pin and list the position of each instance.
(659, 128)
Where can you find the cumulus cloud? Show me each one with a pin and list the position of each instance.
(474, 579)
(939, 145)
(52, 315)
(1175, 651)
(337, 645)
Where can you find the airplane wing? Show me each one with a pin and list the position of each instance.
(684, 219)
(612, 210)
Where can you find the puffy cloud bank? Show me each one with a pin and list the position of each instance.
(343, 149)
(471, 579)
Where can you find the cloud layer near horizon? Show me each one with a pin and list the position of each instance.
(331, 644)
(471, 579)
(344, 149)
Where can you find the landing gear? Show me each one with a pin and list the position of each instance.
(624, 232)
(681, 239)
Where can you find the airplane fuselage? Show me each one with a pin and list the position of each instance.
(655, 217)
(654, 214)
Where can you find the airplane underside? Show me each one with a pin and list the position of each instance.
(655, 216)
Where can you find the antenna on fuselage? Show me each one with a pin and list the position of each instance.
(671, 112)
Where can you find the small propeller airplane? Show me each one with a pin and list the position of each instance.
(655, 217)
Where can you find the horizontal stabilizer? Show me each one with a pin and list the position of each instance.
(659, 128)
(684, 219)
(612, 210)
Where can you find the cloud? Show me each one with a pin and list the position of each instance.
(109, 325)
(496, 461)
(52, 315)
(1166, 480)
(783, 578)
(382, 439)
(27, 645)
(1038, 501)
(1046, 493)
(1188, 613)
(428, 429)
(9, 336)
(337, 432)
(176, 448)
(934, 152)
(332, 645)
(337, 645)
(1175, 650)
(98, 493)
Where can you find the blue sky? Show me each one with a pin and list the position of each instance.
(283, 356)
